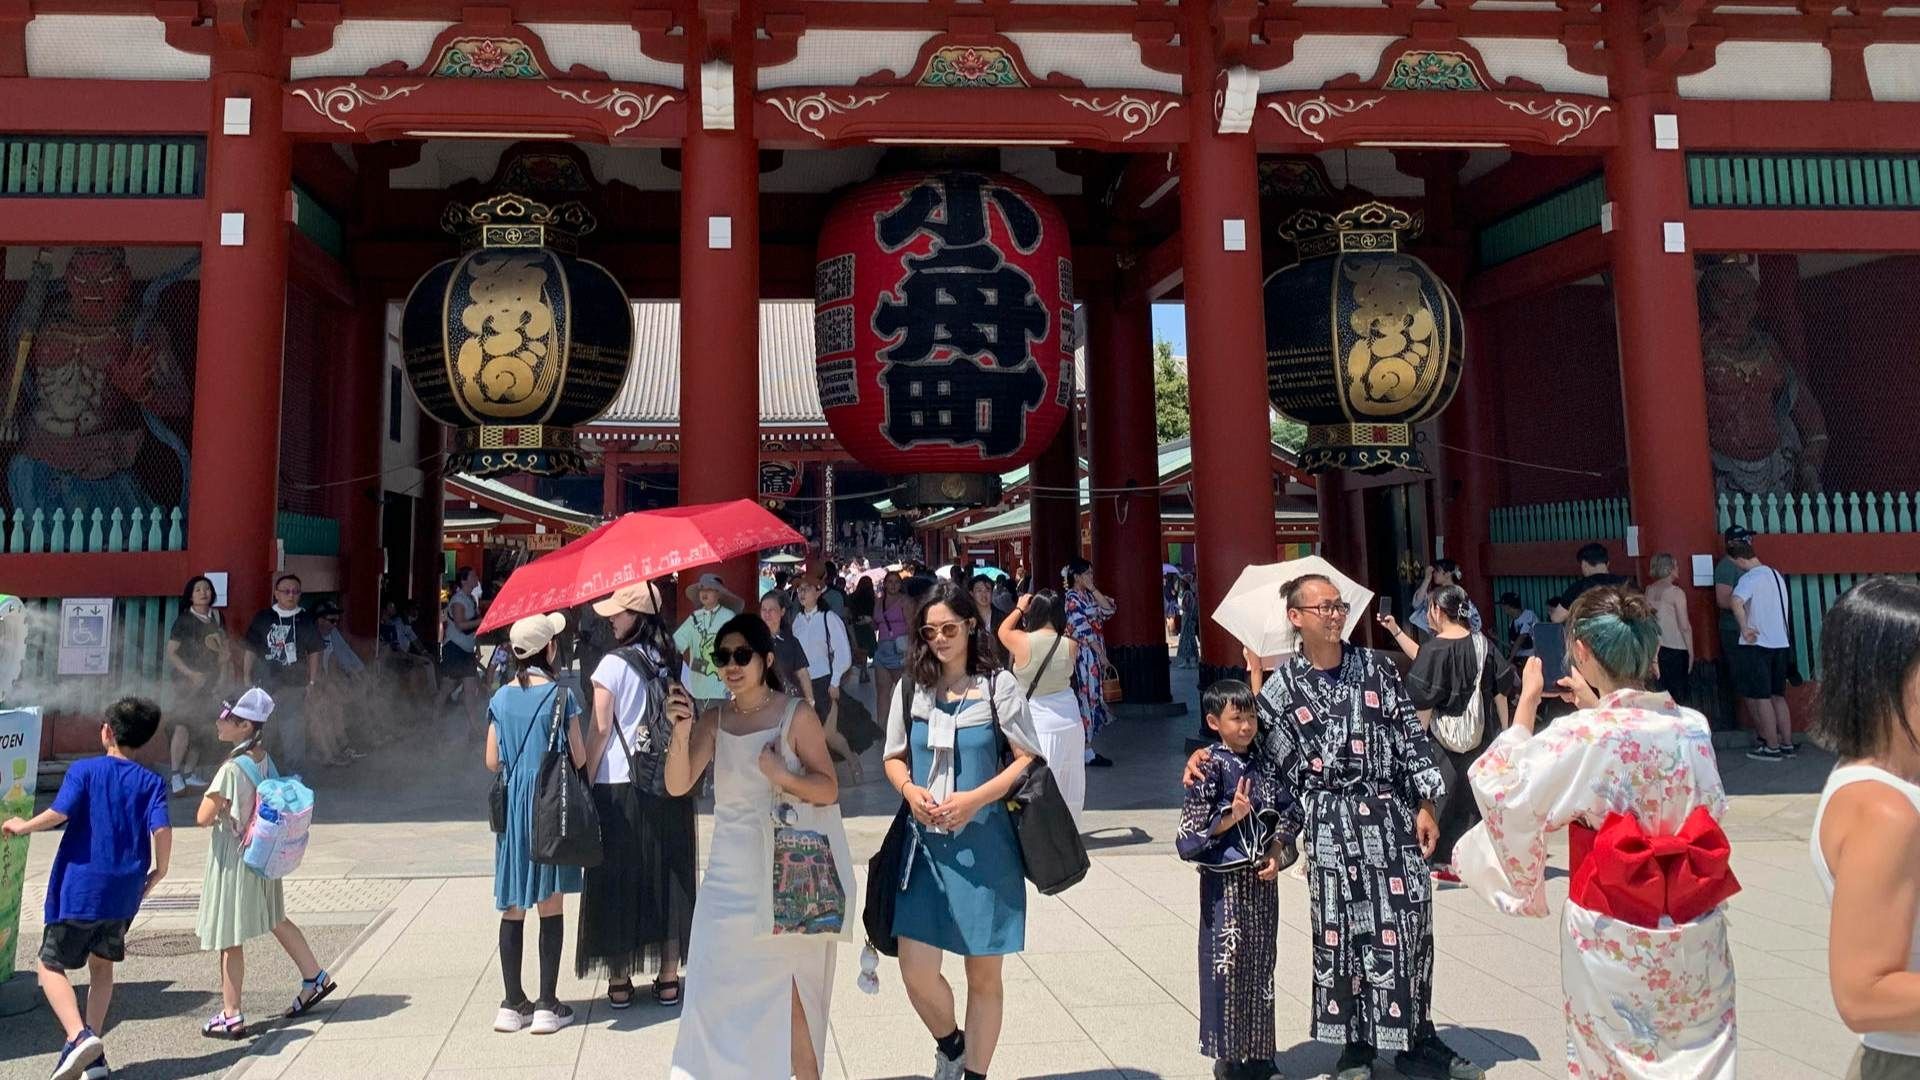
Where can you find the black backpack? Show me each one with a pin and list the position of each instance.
(646, 761)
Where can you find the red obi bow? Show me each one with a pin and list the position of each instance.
(1623, 873)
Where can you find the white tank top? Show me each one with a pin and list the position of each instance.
(1907, 1043)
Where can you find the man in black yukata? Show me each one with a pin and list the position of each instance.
(1340, 729)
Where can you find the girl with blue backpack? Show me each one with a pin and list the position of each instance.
(237, 902)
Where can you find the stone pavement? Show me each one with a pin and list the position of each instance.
(1107, 987)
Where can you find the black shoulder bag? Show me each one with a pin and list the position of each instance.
(566, 826)
(1050, 845)
(887, 868)
(497, 795)
(1794, 678)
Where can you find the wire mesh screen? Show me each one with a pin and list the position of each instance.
(96, 394)
(1556, 380)
(1808, 373)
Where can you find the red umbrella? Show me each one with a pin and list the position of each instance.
(634, 548)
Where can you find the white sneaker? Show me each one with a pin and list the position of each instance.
(946, 1068)
(509, 1020)
(178, 785)
(196, 780)
(546, 1021)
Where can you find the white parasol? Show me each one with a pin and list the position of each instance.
(1256, 614)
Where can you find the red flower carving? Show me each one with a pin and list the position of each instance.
(970, 65)
(488, 56)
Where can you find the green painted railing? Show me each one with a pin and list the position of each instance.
(1826, 512)
(57, 531)
(132, 168)
(1822, 181)
(305, 534)
(1593, 519)
(1551, 219)
(140, 625)
(1809, 596)
(1534, 592)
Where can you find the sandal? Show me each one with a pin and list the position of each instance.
(620, 995)
(666, 993)
(312, 992)
(222, 1026)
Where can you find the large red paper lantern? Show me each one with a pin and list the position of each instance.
(943, 329)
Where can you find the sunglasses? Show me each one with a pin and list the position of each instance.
(738, 656)
(945, 631)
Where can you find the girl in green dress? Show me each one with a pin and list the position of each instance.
(236, 904)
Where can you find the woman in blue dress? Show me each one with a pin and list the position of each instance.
(958, 737)
(521, 726)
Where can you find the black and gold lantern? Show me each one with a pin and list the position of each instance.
(518, 341)
(1363, 341)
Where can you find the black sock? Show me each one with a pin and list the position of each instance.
(513, 937)
(971, 1075)
(953, 1045)
(552, 936)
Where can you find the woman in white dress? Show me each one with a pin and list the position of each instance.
(756, 1003)
(1644, 962)
(1034, 634)
(1866, 832)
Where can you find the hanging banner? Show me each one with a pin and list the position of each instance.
(19, 774)
(86, 636)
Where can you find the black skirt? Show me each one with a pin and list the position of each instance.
(639, 901)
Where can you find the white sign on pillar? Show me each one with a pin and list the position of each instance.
(237, 116)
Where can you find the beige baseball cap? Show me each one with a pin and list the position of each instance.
(529, 636)
(643, 598)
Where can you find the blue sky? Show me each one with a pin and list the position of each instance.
(1170, 324)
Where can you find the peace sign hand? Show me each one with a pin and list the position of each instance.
(1242, 805)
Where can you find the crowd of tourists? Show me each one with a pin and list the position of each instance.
(1380, 775)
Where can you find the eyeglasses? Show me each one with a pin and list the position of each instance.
(738, 656)
(946, 631)
(1332, 609)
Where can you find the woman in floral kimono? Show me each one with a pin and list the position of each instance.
(1644, 963)
(1087, 611)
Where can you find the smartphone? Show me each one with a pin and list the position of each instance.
(1384, 605)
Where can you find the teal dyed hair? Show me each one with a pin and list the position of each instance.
(1620, 628)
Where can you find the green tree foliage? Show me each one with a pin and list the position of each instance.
(1289, 432)
(1170, 416)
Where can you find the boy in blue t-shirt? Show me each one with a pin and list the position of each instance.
(113, 852)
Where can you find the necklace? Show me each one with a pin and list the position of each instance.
(766, 698)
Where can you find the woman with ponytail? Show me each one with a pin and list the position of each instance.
(1644, 963)
(1459, 676)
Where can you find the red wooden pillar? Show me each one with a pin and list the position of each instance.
(429, 517)
(1662, 383)
(1467, 427)
(1122, 454)
(1464, 465)
(1226, 344)
(358, 437)
(243, 292)
(1055, 498)
(720, 297)
(612, 500)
